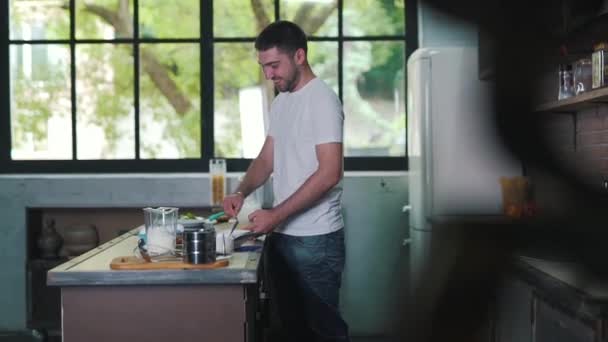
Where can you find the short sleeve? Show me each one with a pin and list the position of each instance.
(328, 118)
(272, 118)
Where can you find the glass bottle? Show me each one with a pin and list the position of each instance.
(582, 75)
(217, 177)
(566, 82)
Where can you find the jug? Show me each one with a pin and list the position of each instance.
(161, 228)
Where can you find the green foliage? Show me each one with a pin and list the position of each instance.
(169, 19)
(235, 18)
(106, 77)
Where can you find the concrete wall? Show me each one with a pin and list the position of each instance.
(372, 206)
(436, 28)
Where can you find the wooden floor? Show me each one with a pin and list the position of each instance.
(34, 337)
(25, 337)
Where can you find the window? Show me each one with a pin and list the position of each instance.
(162, 86)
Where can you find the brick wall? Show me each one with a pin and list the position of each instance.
(592, 140)
(580, 141)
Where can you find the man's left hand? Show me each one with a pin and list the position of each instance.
(262, 221)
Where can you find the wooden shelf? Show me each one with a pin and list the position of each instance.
(576, 103)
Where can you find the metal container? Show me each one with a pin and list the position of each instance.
(199, 246)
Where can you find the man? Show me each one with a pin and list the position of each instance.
(303, 151)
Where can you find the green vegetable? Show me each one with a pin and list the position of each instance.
(188, 215)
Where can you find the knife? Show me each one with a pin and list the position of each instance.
(236, 222)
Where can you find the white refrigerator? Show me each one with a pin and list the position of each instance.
(455, 154)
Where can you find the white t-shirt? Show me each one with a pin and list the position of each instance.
(299, 121)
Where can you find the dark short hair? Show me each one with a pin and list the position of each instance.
(284, 35)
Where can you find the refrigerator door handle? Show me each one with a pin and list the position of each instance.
(407, 242)
(406, 208)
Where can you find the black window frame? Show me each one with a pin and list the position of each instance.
(7, 165)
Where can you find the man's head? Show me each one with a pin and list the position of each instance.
(282, 48)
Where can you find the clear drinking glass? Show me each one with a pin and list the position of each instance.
(217, 179)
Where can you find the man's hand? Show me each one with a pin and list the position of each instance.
(263, 221)
(233, 203)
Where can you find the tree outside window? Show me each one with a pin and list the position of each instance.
(127, 80)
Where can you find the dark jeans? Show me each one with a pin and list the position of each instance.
(305, 274)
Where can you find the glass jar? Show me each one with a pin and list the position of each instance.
(566, 82)
(582, 75)
(217, 178)
(599, 67)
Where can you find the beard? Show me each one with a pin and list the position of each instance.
(287, 83)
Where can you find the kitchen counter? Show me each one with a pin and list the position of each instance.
(573, 286)
(93, 268)
(99, 304)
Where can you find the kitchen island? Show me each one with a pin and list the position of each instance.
(101, 304)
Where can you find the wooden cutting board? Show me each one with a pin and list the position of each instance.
(135, 263)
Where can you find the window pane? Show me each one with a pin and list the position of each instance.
(169, 19)
(170, 106)
(104, 88)
(374, 99)
(242, 97)
(236, 18)
(104, 19)
(316, 17)
(30, 20)
(323, 59)
(40, 102)
(373, 17)
(38, 20)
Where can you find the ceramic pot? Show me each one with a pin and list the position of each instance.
(80, 238)
(49, 240)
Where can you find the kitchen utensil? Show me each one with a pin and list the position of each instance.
(236, 222)
(246, 236)
(224, 243)
(135, 263)
(191, 223)
(199, 246)
(215, 216)
(161, 229)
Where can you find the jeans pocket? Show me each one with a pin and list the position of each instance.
(335, 252)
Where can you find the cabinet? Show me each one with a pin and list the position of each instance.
(523, 314)
(514, 312)
(554, 325)
(44, 302)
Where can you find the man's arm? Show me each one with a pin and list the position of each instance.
(327, 175)
(257, 173)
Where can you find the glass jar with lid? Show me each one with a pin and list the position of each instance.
(582, 75)
(217, 177)
(566, 84)
(599, 67)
